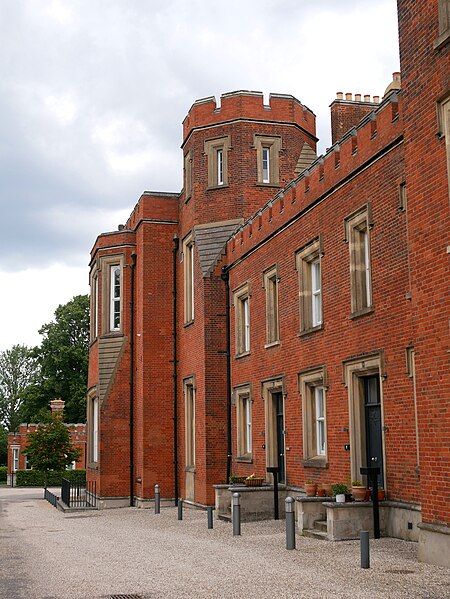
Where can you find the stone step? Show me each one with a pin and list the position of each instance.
(321, 525)
(315, 534)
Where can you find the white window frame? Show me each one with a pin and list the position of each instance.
(244, 425)
(95, 419)
(308, 262)
(266, 164)
(189, 294)
(271, 282)
(115, 297)
(241, 301)
(357, 228)
(219, 160)
(15, 458)
(312, 387)
(189, 403)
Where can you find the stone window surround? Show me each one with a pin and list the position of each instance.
(239, 295)
(359, 221)
(187, 175)
(106, 262)
(273, 143)
(444, 24)
(275, 384)
(242, 393)
(307, 254)
(443, 115)
(307, 381)
(211, 147)
(271, 281)
(93, 304)
(189, 393)
(91, 399)
(15, 448)
(188, 278)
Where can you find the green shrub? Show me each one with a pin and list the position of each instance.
(3, 474)
(35, 478)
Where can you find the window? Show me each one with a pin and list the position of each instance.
(270, 284)
(242, 320)
(312, 388)
(27, 463)
(114, 311)
(15, 458)
(188, 258)
(268, 162)
(189, 398)
(93, 423)
(444, 126)
(216, 151)
(444, 16)
(94, 306)
(112, 290)
(357, 227)
(244, 423)
(187, 175)
(309, 266)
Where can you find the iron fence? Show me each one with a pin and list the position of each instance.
(50, 497)
(79, 494)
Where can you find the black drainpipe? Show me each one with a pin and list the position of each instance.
(133, 266)
(176, 243)
(226, 279)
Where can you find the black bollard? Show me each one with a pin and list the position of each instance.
(180, 509)
(157, 500)
(210, 516)
(290, 523)
(236, 514)
(365, 557)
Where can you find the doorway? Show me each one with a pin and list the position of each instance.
(373, 427)
(275, 434)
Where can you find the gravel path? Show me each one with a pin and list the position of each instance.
(137, 553)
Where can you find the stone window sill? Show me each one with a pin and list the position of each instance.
(315, 463)
(362, 312)
(319, 327)
(242, 355)
(272, 344)
(213, 187)
(442, 40)
(244, 459)
(261, 184)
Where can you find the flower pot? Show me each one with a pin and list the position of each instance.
(359, 493)
(311, 489)
(254, 482)
(321, 493)
(340, 498)
(328, 490)
(381, 494)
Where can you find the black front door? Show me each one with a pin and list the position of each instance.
(278, 399)
(372, 412)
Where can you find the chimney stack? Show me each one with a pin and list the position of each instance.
(57, 407)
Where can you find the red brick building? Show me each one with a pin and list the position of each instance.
(17, 442)
(286, 308)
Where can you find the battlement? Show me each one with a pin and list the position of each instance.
(376, 131)
(244, 104)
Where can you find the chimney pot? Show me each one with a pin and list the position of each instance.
(366, 98)
(357, 97)
(348, 96)
(376, 99)
(339, 96)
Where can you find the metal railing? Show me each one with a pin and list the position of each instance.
(50, 497)
(79, 494)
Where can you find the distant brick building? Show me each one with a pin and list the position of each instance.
(17, 442)
(287, 309)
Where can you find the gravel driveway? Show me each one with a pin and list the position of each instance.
(131, 553)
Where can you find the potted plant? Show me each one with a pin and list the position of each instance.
(359, 490)
(310, 488)
(237, 480)
(340, 491)
(253, 481)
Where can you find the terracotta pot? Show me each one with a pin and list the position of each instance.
(328, 490)
(321, 493)
(381, 494)
(359, 493)
(311, 489)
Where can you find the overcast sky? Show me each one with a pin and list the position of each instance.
(92, 96)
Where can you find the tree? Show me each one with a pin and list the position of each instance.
(63, 357)
(50, 447)
(18, 370)
(3, 446)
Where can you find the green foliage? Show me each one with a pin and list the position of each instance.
(35, 478)
(18, 370)
(340, 489)
(49, 447)
(3, 445)
(63, 358)
(3, 474)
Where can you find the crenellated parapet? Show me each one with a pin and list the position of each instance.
(378, 130)
(250, 105)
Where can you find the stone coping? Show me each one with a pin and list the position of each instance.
(439, 528)
(243, 488)
(313, 499)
